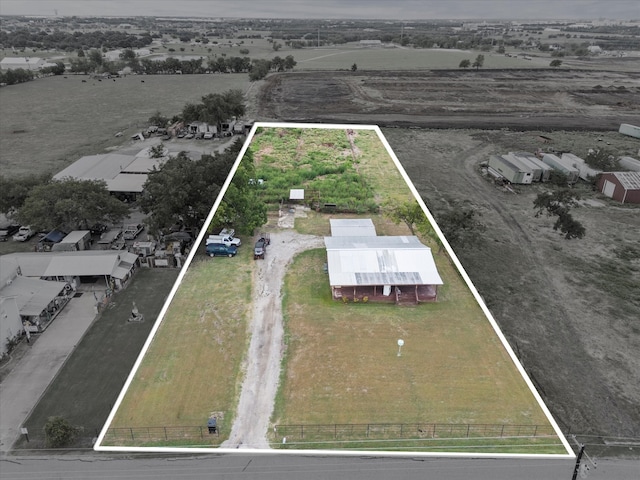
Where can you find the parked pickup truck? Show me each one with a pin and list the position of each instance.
(24, 234)
(225, 239)
(260, 247)
(130, 232)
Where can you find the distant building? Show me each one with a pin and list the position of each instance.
(26, 63)
(623, 187)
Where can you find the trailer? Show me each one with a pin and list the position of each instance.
(585, 171)
(631, 130)
(562, 166)
(523, 157)
(629, 163)
(546, 169)
(512, 171)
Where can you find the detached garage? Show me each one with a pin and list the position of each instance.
(621, 186)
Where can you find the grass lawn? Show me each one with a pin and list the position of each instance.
(342, 365)
(89, 382)
(192, 367)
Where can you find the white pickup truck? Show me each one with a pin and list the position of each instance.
(224, 239)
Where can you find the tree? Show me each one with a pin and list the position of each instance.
(259, 69)
(602, 159)
(559, 204)
(460, 226)
(354, 67)
(241, 206)
(478, 62)
(14, 191)
(70, 204)
(184, 190)
(59, 432)
(289, 62)
(555, 63)
(412, 215)
(466, 63)
(158, 119)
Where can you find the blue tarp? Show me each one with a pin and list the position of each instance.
(54, 236)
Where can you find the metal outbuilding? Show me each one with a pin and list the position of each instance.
(352, 227)
(621, 186)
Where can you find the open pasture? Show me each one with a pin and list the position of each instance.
(49, 123)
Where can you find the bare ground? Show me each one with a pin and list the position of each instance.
(266, 348)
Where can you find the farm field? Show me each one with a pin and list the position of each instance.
(337, 369)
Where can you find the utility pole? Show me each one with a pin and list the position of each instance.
(578, 458)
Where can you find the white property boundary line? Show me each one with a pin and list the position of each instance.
(101, 448)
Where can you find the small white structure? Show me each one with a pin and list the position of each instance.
(296, 194)
(563, 166)
(352, 227)
(629, 163)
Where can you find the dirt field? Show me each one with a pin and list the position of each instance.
(569, 308)
(527, 99)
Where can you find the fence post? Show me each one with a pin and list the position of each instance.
(131, 430)
(368, 425)
(502, 430)
(302, 431)
(535, 431)
(165, 433)
(401, 429)
(335, 431)
(468, 428)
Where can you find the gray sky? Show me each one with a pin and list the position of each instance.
(375, 9)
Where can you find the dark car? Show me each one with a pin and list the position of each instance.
(220, 249)
(7, 232)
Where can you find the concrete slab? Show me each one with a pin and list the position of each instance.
(22, 388)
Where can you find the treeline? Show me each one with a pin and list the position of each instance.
(257, 68)
(70, 41)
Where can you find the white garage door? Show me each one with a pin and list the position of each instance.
(609, 188)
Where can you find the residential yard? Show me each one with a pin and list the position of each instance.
(86, 388)
(192, 367)
(342, 365)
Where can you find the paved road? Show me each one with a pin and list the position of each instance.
(23, 387)
(296, 467)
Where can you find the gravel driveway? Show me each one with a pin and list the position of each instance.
(264, 358)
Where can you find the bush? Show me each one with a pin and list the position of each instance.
(59, 432)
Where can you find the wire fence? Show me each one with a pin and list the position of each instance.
(409, 431)
(152, 435)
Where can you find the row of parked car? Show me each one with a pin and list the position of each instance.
(17, 232)
(224, 243)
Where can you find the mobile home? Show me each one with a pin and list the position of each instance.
(536, 170)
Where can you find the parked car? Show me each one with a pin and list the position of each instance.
(208, 135)
(98, 228)
(7, 232)
(181, 134)
(220, 249)
(130, 232)
(24, 234)
(189, 136)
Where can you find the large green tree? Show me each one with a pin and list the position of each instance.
(216, 108)
(70, 204)
(460, 226)
(14, 191)
(241, 206)
(184, 190)
(412, 215)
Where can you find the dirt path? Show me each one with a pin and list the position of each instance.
(264, 358)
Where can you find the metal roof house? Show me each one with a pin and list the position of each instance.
(352, 227)
(392, 269)
(115, 267)
(621, 186)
